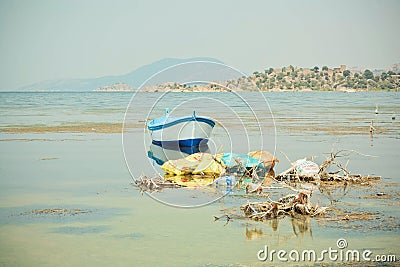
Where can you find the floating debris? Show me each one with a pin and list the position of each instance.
(342, 175)
(293, 204)
(258, 182)
(337, 215)
(49, 158)
(154, 184)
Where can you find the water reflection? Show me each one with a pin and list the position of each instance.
(161, 154)
(300, 227)
(252, 234)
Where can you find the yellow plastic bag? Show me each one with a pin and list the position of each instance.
(198, 163)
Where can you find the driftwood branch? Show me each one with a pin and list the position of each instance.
(292, 205)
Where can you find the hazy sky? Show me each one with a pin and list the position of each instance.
(45, 40)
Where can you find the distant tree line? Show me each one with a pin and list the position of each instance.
(291, 78)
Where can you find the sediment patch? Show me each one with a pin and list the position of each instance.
(81, 127)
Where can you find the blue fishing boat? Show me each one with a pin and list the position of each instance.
(187, 131)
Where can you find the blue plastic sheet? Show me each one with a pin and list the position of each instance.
(230, 160)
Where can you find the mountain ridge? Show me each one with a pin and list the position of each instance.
(134, 78)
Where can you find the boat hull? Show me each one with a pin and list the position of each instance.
(186, 132)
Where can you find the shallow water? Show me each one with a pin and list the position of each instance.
(122, 228)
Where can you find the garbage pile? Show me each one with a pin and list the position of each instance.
(254, 172)
(201, 163)
(306, 170)
(292, 205)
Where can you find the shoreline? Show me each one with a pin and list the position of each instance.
(144, 90)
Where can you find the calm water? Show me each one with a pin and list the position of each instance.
(124, 228)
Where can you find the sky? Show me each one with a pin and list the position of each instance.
(62, 39)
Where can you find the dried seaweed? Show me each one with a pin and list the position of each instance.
(154, 184)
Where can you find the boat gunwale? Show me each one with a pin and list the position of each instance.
(181, 120)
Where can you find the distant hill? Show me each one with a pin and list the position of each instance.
(134, 79)
(191, 77)
(292, 78)
(325, 79)
(395, 68)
